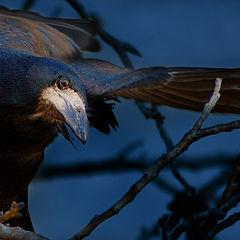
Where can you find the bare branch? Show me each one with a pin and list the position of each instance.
(140, 163)
(153, 113)
(227, 127)
(17, 233)
(121, 48)
(232, 183)
(228, 222)
(214, 212)
(151, 232)
(28, 4)
(180, 178)
(117, 163)
(150, 174)
(200, 163)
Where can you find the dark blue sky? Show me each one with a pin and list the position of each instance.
(168, 33)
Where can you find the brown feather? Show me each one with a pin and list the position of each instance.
(187, 89)
(46, 37)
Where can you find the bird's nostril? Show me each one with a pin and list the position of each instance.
(78, 110)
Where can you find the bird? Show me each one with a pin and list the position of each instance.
(47, 87)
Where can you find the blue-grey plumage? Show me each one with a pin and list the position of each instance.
(31, 83)
(39, 94)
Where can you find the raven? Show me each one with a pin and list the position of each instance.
(46, 84)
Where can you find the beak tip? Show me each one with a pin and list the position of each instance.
(83, 134)
(80, 131)
(83, 140)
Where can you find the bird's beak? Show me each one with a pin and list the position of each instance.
(71, 107)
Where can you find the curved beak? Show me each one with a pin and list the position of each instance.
(71, 107)
(77, 120)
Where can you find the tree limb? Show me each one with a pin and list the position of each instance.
(232, 183)
(17, 233)
(150, 174)
(226, 223)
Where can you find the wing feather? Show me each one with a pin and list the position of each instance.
(60, 39)
(188, 90)
(178, 87)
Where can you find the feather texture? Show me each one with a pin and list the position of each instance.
(179, 87)
(61, 39)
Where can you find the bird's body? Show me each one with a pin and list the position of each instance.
(24, 48)
(45, 84)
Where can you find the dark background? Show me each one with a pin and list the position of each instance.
(168, 33)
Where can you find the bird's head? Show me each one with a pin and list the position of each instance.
(61, 95)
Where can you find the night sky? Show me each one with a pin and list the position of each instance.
(167, 33)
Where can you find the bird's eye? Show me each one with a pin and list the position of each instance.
(63, 83)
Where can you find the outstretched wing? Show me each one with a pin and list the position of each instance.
(178, 87)
(61, 39)
(184, 88)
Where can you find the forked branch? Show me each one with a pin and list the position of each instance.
(153, 171)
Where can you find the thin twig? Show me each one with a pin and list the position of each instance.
(121, 48)
(180, 178)
(210, 188)
(150, 233)
(153, 113)
(225, 127)
(140, 163)
(226, 223)
(93, 167)
(150, 174)
(200, 163)
(118, 163)
(215, 212)
(231, 185)
(28, 4)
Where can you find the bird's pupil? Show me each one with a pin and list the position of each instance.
(63, 83)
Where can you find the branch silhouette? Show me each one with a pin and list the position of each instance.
(153, 171)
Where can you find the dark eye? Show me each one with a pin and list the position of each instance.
(63, 83)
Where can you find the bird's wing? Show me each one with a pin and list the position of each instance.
(184, 88)
(178, 87)
(61, 39)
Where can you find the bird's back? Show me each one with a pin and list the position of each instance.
(61, 39)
